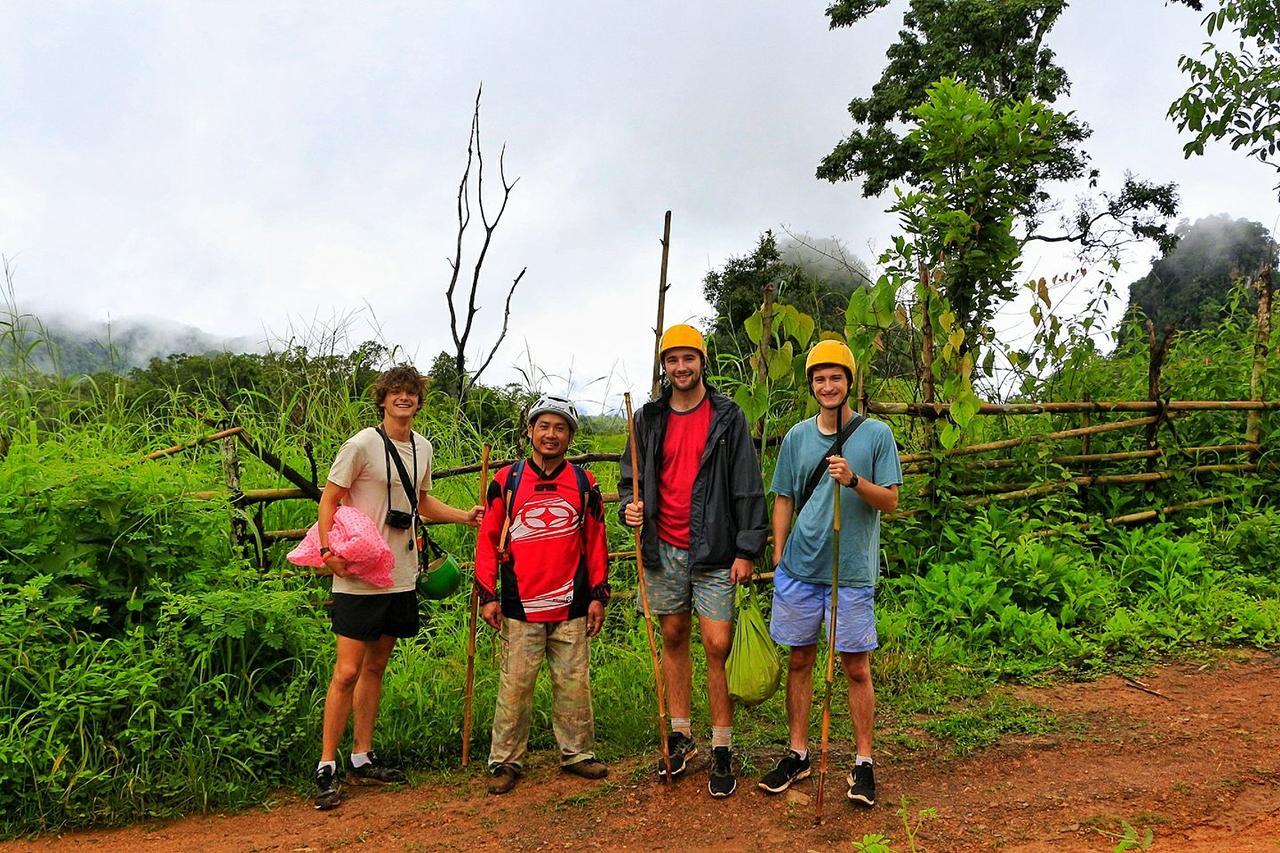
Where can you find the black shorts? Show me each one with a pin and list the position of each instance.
(368, 617)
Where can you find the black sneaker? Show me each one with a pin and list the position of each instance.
(862, 785)
(722, 782)
(328, 789)
(375, 773)
(790, 769)
(681, 748)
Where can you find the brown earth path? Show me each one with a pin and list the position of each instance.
(1198, 764)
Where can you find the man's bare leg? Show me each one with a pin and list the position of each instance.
(338, 699)
(368, 691)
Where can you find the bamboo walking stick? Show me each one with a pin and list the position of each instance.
(471, 637)
(831, 633)
(644, 598)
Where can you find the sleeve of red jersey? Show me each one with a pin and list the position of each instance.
(597, 544)
(495, 514)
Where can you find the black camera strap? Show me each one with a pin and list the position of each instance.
(392, 454)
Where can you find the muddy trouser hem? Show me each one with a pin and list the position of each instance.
(567, 649)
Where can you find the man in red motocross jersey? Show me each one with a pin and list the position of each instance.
(542, 580)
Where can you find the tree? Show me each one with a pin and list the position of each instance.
(963, 218)
(816, 275)
(1190, 286)
(995, 47)
(1235, 93)
(460, 327)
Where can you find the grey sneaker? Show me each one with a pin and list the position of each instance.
(328, 789)
(375, 773)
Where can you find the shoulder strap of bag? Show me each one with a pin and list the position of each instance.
(405, 481)
(815, 476)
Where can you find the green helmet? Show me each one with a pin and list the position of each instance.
(441, 579)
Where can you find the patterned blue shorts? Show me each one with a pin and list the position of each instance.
(801, 608)
(674, 589)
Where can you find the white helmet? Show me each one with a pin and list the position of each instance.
(555, 405)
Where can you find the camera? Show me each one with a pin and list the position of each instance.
(399, 519)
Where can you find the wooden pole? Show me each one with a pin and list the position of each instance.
(831, 634)
(662, 306)
(1261, 344)
(762, 351)
(1006, 443)
(921, 410)
(231, 472)
(644, 597)
(475, 618)
(178, 448)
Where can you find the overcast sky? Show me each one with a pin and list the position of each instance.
(248, 167)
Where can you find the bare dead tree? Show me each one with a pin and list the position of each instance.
(462, 324)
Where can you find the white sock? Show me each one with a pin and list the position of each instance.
(721, 736)
(332, 765)
(862, 759)
(360, 759)
(802, 754)
(682, 725)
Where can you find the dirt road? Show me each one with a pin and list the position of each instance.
(1196, 760)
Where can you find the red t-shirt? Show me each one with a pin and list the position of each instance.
(682, 449)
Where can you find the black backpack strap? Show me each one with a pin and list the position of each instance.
(510, 488)
(394, 455)
(584, 492)
(815, 476)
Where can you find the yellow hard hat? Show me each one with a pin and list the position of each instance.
(682, 335)
(830, 352)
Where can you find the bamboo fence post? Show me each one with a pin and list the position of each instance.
(231, 472)
(1159, 347)
(1261, 344)
(662, 306)
(762, 351)
(930, 391)
(1086, 442)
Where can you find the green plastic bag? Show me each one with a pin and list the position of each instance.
(753, 668)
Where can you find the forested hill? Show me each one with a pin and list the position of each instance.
(79, 347)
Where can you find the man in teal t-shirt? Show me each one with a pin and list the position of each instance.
(868, 472)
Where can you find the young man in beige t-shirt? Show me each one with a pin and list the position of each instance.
(367, 619)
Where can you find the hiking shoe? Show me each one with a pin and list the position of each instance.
(589, 769)
(862, 785)
(504, 778)
(375, 773)
(681, 748)
(790, 769)
(328, 789)
(722, 782)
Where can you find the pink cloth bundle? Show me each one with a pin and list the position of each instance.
(356, 539)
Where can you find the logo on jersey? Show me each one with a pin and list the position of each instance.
(544, 517)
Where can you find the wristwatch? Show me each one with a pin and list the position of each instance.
(325, 551)
(853, 484)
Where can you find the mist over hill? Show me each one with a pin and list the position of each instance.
(78, 346)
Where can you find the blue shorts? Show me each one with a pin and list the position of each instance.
(800, 609)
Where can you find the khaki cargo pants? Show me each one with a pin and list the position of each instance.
(567, 650)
